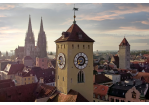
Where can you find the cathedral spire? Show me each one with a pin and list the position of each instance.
(41, 26)
(29, 25)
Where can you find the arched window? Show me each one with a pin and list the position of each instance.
(57, 46)
(64, 45)
(80, 77)
(83, 46)
(78, 46)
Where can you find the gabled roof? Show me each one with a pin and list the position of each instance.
(124, 42)
(14, 68)
(101, 78)
(22, 93)
(72, 96)
(72, 35)
(44, 90)
(6, 83)
(45, 73)
(100, 90)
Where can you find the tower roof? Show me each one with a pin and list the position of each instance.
(41, 25)
(124, 42)
(29, 25)
(74, 34)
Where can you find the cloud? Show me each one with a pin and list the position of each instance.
(6, 7)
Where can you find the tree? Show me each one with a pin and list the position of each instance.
(95, 72)
(51, 53)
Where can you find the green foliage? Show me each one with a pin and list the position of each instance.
(51, 53)
(95, 72)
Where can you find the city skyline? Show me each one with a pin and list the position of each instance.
(106, 23)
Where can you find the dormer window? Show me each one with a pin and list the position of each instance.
(80, 36)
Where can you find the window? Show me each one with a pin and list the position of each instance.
(83, 46)
(28, 78)
(133, 94)
(122, 101)
(64, 45)
(72, 46)
(94, 95)
(25, 78)
(78, 46)
(57, 46)
(43, 60)
(98, 96)
(71, 80)
(63, 78)
(80, 77)
(117, 100)
(88, 46)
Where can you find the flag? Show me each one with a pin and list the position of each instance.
(75, 9)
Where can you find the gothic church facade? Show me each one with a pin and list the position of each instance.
(30, 49)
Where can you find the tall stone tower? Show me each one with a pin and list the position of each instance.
(74, 68)
(29, 40)
(42, 44)
(124, 54)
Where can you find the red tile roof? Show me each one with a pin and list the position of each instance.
(101, 78)
(124, 42)
(14, 68)
(72, 96)
(44, 90)
(6, 80)
(72, 35)
(45, 73)
(101, 90)
(7, 84)
(144, 75)
(23, 93)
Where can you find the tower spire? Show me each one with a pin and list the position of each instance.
(29, 25)
(75, 9)
(41, 26)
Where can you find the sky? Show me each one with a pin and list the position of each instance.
(106, 23)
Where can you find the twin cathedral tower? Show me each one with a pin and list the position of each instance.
(30, 49)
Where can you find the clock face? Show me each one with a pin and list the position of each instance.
(61, 60)
(80, 61)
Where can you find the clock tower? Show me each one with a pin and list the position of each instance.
(74, 65)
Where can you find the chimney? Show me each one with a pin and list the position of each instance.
(41, 80)
(134, 82)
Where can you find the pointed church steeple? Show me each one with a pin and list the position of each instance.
(42, 44)
(29, 25)
(41, 26)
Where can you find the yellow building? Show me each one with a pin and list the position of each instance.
(74, 66)
(23, 78)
